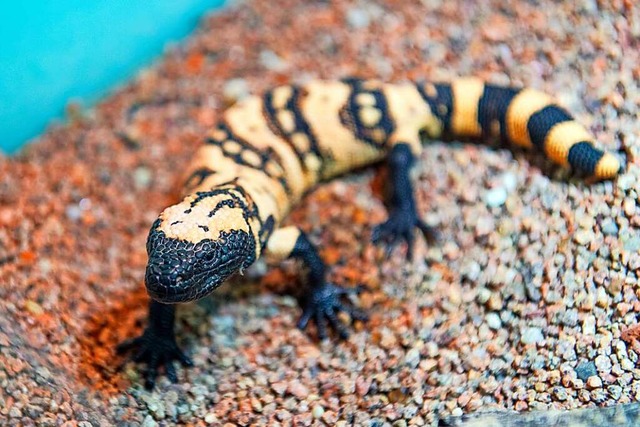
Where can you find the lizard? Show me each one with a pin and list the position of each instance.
(268, 151)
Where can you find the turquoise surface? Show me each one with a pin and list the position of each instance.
(52, 52)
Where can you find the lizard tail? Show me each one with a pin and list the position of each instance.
(467, 107)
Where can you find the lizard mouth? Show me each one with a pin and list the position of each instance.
(177, 291)
(170, 295)
(172, 298)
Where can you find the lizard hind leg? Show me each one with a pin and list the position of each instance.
(323, 300)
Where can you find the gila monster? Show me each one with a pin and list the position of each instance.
(268, 151)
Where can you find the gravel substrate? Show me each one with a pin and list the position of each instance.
(529, 302)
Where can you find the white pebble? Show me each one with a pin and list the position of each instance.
(270, 60)
(357, 18)
(74, 213)
(532, 336)
(149, 422)
(317, 411)
(509, 180)
(412, 358)
(594, 382)
(589, 325)
(493, 321)
(235, 89)
(142, 178)
(495, 197)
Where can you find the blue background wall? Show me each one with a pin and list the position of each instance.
(53, 51)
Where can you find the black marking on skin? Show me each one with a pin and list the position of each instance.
(268, 154)
(200, 175)
(352, 80)
(270, 113)
(204, 228)
(541, 122)
(585, 158)
(493, 106)
(201, 195)
(441, 105)
(249, 211)
(263, 155)
(300, 123)
(229, 203)
(266, 230)
(237, 158)
(233, 137)
(350, 117)
(176, 222)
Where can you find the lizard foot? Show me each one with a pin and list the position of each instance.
(155, 350)
(323, 305)
(400, 226)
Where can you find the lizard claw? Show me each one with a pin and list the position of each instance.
(324, 304)
(400, 226)
(156, 350)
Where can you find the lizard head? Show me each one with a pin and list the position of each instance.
(194, 246)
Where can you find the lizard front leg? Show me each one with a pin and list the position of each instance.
(323, 300)
(403, 216)
(157, 345)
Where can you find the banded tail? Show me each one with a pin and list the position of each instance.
(467, 107)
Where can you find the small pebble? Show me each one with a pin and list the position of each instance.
(589, 325)
(235, 89)
(594, 382)
(74, 213)
(495, 197)
(149, 422)
(272, 61)
(412, 358)
(603, 364)
(317, 411)
(142, 177)
(357, 18)
(609, 227)
(532, 336)
(493, 321)
(584, 370)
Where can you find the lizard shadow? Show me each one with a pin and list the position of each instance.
(99, 365)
